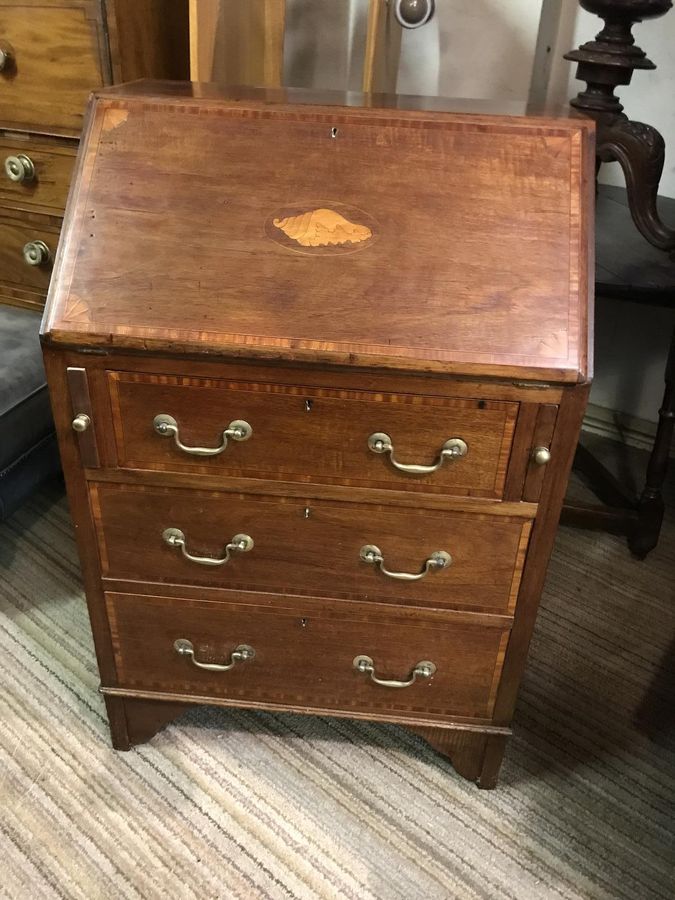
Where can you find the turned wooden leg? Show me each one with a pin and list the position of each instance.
(135, 722)
(650, 506)
(474, 755)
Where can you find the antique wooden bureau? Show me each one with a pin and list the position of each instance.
(318, 367)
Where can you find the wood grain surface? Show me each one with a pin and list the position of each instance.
(78, 389)
(563, 446)
(53, 162)
(382, 52)
(305, 659)
(543, 434)
(16, 230)
(237, 43)
(278, 372)
(308, 434)
(415, 296)
(330, 267)
(18, 295)
(310, 547)
(58, 59)
(148, 38)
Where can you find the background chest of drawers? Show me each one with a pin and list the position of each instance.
(318, 373)
(52, 54)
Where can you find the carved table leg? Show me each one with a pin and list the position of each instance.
(474, 755)
(135, 722)
(604, 64)
(640, 151)
(650, 506)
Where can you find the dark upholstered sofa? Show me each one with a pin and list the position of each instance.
(28, 452)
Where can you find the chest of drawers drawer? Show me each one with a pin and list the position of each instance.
(35, 174)
(296, 433)
(28, 243)
(53, 57)
(417, 557)
(297, 655)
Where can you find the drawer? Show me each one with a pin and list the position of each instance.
(310, 547)
(54, 61)
(27, 234)
(35, 174)
(312, 434)
(303, 655)
(13, 295)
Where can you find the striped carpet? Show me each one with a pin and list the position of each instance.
(236, 804)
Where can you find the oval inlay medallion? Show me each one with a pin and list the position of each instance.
(324, 228)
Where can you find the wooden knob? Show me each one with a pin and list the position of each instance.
(36, 253)
(19, 168)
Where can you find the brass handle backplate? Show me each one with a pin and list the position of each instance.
(439, 559)
(36, 253)
(424, 669)
(240, 654)
(454, 448)
(240, 543)
(166, 426)
(20, 168)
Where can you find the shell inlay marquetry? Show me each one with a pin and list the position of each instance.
(322, 228)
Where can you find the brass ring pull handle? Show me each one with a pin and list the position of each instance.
(424, 669)
(20, 168)
(240, 654)
(36, 253)
(6, 55)
(240, 543)
(166, 426)
(454, 448)
(439, 559)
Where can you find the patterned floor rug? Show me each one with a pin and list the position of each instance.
(227, 804)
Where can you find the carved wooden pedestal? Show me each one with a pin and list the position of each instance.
(604, 64)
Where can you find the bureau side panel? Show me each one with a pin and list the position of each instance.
(563, 447)
(85, 534)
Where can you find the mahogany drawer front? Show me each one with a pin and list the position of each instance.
(310, 547)
(312, 434)
(16, 295)
(55, 62)
(304, 657)
(35, 174)
(15, 235)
